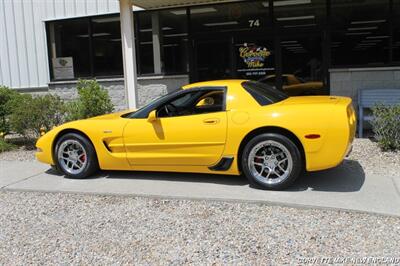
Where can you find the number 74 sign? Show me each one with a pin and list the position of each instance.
(254, 23)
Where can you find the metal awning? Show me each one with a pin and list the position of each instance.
(159, 4)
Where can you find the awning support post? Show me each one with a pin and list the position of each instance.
(129, 52)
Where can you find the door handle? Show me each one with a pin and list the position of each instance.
(211, 121)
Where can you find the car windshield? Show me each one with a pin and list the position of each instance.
(263, 93)
(142, 112)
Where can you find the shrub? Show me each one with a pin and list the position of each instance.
(5, 146)
(31, 114)
(93, 101)
(6, 97)
(386, 126)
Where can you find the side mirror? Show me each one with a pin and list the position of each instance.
(152, 116)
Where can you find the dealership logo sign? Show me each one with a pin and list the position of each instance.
(63, 62)
(63, 68)
(254, 56)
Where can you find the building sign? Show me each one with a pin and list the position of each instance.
(63, 68)
(254, 60)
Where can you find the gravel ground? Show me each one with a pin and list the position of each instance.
(46, 228)
(20, 154)
(365, 151)
(373, 161)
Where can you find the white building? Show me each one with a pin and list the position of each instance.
(46, 45)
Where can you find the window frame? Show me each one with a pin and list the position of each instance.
(253, 88)
(144, 112)
(137, 25)
(88, 22)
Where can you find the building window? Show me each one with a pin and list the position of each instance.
(84, 48)
(232, 41)
(302, 25)
(107, 48)
(69, 42)
(162, 42)
(174, 41)
(360, 33)
(396, 31)
(144, 44)
(244, 17)
(301, 15)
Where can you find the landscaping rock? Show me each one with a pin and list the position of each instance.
(63, 229)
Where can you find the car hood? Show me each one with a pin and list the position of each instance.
(111, 116)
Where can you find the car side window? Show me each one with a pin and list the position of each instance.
(200, 101)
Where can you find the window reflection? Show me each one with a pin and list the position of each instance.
(212, 60)
(302, 26)
(163, 42)
(174, 41)
(144, 49)
(300, 14)
(71, 40)
(107, 54)
(360, 33)
(239, 17)
(396, 31)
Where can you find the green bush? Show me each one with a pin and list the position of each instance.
(29, 115)
(386, 126)
(6, 97)
(93, 101)
(5, 146)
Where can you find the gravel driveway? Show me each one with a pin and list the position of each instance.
(46, 228)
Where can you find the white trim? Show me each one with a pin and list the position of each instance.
(359, 69)
(151, 77)
(55, 19)
(157, 77)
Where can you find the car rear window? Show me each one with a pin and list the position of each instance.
(263, 93)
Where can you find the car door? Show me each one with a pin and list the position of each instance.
(188, 137)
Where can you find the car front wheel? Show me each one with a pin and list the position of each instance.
(271, 161)
(75, 156)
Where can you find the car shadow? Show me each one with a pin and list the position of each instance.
(347, 177)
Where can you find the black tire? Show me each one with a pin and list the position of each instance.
(297, 162)
(91, 165)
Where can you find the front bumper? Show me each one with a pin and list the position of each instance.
(44, 150)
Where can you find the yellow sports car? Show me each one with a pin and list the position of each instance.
(217, 127)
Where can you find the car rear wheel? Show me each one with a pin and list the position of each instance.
(271, 161)
(75, 156)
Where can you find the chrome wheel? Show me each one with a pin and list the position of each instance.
(72, 156)
(270, 162)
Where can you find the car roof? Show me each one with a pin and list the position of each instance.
(215, 83)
